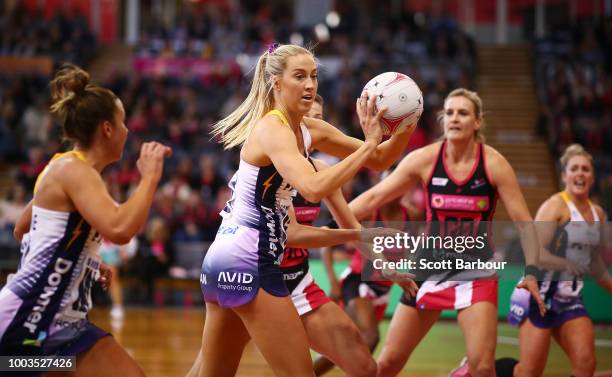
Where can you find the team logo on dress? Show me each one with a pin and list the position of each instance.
(267, 183)
(235, 281)
(235, 277)
(460, 202)
(482, 204)
(478, 183)
(438, 181)
(437, 202)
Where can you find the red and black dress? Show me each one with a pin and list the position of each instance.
(305, 293)
(457, 209)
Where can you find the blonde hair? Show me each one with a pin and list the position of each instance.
(573, 151)
(236, 127)
(478, 109)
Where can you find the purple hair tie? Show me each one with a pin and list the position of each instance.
(272, 47)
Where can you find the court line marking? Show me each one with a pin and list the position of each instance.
(606, 343)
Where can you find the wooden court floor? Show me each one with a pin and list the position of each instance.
(165, 342)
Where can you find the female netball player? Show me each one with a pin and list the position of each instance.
(247, 251)
(571, 227)
(364, 295)
(43, 308)
(329, 330)
(463, 178)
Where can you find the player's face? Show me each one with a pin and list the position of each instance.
(316, 111)
(120, 131)
(459, 119)
(578, 176)
(298, 84)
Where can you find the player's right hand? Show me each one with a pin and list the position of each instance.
(369, 117)
(151, 161)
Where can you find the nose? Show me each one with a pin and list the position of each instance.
(310, 83)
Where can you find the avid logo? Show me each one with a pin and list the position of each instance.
(235, 277)
(517, 309)
(235, 281)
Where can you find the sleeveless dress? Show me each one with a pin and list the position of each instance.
(457, 208)
(561, 290)
(248, 248)
(44, 305)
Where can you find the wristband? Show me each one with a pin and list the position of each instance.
(533, 270)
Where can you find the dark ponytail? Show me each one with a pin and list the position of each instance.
(79, 105)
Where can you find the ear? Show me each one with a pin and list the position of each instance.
(276, 83)
(478, 124)
(107, 129)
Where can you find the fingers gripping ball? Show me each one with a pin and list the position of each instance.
(402, 97)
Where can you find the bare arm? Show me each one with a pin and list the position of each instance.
(402, 179)
(505, 180)
(23, 223)
(117, 223)
(508, 189)
(330, 140)
(283, 151)
(306, 236)
(599, 271)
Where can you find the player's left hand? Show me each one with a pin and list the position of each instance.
(403, 279)
(106, 275)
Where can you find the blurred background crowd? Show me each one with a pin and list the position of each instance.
(572, 66)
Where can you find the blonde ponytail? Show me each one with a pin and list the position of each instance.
(234, 129)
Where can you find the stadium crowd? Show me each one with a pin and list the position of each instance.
(574, 86)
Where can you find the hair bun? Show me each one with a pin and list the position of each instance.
(69, 78)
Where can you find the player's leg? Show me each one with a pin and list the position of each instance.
(332, 333)
(408, 326)
(534, 346)
(223, 342)
(479, 325)
(105, 358)
(363, 312)
(578, 341)
(276, 329)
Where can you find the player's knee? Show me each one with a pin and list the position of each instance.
(390, 364)
(584, 364)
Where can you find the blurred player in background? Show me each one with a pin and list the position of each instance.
(43, 308)
(456, 172)
(363, 293)
(571, 227)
